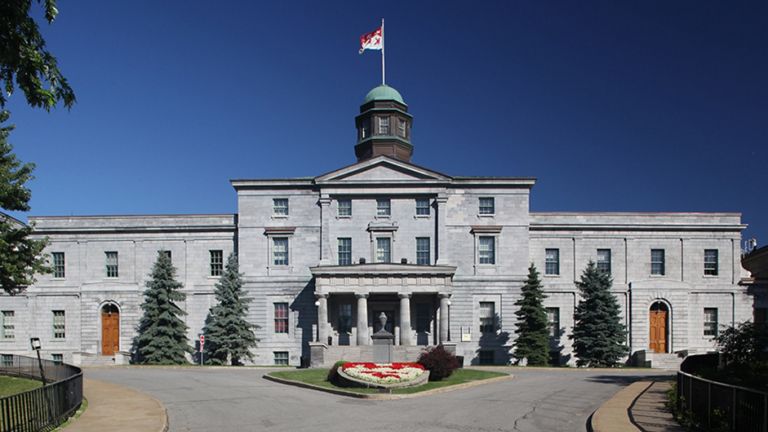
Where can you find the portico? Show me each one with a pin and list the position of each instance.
(414, 298)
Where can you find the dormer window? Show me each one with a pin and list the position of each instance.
(383, 125)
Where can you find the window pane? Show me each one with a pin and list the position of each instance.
(383, 207)
(487, 205)
(217, 262)
(345, 251)
(59, 324)
(383, 125)
(58, 265)
(401, 127)
(553, 321)
(281, 317)
(552, 261)
(383, 250)
(710, 322)
(487, 317)
(422, 207)
(57, 358)
(112, 264)
(710, 262)
(8, 327)
(422, 251)
(281, 358)
(280, 206)
(345, 207)
(657, 261)
(604, 260)
(280, 250)
(487, 250)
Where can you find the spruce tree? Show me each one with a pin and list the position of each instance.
(162, 334)
(599, 337)
(228, 335)
(532, 330)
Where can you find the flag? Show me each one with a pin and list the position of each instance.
(372, 40)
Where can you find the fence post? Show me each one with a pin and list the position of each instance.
(765, 413)
(709, 404)
(733, 414)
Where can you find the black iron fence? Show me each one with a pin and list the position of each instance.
(719, 406)
(43, 408)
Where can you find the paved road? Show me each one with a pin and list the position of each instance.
(224, 400)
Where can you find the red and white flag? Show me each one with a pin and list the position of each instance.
(372, 41)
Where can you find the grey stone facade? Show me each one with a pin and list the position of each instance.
(331, 305)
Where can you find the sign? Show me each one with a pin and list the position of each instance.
(202, 340)
(466, 334)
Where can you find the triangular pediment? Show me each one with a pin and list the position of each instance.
(381, 169)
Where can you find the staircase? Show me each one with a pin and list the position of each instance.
(92, 360)
(664, 361)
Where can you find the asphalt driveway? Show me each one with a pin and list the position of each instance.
(224, 400)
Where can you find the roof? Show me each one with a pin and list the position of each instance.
(383, 92)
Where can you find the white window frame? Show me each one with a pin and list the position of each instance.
(215, 267)
(486, 210)
(423, 210)
(287, 318)
(604, 265)
(494, 247)
(662, 262)
(274, 261)
(383, 211)
(8, 325)
(340, 251)
(376, 249)
(347, 210)
(483, 325)
(287, 358)
(59, 268)
(383, 125)
(553, 323)
(112, 264)
(422, 251)
(555, 262)
(714, 266)
(59, 324)
(402, 128)
(710, 326)
(280, 207)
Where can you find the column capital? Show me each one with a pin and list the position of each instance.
(361, 295)
(321, 296)
(404, 295)
(444, 295)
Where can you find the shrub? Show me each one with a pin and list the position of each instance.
(333, 373)
(439, 362)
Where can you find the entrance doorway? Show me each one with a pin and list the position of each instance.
(110, 329)
(658, 323)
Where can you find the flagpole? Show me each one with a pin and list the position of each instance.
(383, 81)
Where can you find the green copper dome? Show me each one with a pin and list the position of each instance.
(384, 92)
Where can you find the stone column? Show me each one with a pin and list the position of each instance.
(322, 318)
(362, 319)
(325, 240)
(405, 319)
(444, 317)
(441, 242)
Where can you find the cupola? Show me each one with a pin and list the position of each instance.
(384, 126)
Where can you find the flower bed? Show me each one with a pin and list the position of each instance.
(385, 374)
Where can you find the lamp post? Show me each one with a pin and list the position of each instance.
(35, 342)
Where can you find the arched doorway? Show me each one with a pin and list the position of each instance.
(659, 325)
(110, 329)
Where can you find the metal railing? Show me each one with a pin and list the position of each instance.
(43, 408)
(718, 406)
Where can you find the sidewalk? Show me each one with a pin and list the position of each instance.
(115, 408)
(638, 407)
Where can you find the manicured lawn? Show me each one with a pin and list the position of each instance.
(13, 385)
(317, 377)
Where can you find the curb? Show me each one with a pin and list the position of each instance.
(613, 414)
(386, 396)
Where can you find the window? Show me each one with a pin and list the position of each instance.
(604, 260)
(552, 261)
(422, 251)
(487, 317)
(487, 250)
(383, 207)
(345, 318)
(280, 206)
(710, 322)
(57, 358)
(345, 251)
(112, 268)
(422, 206)
(345, 207)
(281, 358)
(59, 324)
(280, 251)
(383, 125)
(487, 206)
(710, 262)
(6, 360)
(8, 328)
(217, 262)
(401, 127)
(657, 261)
(553, 322)
(281, 318)
(58, 265)
(383, 250)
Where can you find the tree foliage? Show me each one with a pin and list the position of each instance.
(744, 344)
(25, 60)
(162, 335)
(532, 331)
(228, 334)
(599, 337)
(20, 256)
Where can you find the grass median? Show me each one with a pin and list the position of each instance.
(317, 377)
(11, 385)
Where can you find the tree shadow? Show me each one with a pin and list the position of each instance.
(624, 379)
(304, 303)
(493, 346)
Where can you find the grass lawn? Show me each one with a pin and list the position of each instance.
(317, 377)
(12, 385)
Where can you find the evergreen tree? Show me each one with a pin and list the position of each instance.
(228, 335)
(532, 330)
(20, 256)
(599, 337)
(162, 334)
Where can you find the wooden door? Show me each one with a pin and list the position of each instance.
(658, 336)
(110, 330)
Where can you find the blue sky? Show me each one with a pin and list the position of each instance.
(613, 106)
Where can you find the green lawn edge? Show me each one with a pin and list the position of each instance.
(316, 377)
(11, 385)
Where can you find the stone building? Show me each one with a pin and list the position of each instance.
(442, 257)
